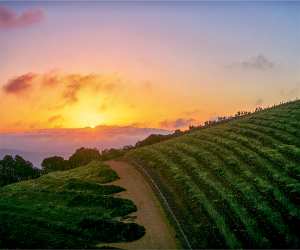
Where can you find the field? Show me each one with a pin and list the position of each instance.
(234, 184)
(66, 209)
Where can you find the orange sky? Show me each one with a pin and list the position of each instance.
(57, 99)
(149, 65)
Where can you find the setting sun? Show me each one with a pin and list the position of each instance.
(86, 119)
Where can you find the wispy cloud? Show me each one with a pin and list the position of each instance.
(69, 84)
(290, 93)
(177, 123)
(19, 84)
(76, 82)
(192, 113)
(10, 19)
(259, 102)
(70, 93)
(55, 118)
(259, 62)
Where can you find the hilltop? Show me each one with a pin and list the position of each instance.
(233, 184)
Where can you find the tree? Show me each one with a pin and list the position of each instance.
(83, 156)
(113, 153)
(16, 169)
(258, 109)
(23, 168)
(54, 163)
(7, 170)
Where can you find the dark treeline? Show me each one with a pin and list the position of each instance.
(16, 169)
(81, 157)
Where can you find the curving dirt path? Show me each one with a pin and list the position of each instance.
(150, 214)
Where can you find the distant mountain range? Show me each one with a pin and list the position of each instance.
(35, 145)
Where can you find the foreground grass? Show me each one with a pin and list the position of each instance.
(235, 184)
(66, 209)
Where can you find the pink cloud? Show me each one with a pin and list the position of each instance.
(10, 19)
(55, 118)
(19, 84)
(178, 123)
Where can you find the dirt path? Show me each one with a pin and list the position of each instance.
(159, 234)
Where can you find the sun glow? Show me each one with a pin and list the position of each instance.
(89, 119)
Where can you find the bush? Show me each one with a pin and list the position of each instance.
(75, 184)
(83, 156)
(113, 230)
(54, 163)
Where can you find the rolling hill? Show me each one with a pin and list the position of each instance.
(234, 184)
(66, 209)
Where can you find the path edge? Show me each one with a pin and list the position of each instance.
(172, 219)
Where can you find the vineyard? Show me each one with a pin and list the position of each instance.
(234, 184)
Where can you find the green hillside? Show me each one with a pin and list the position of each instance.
(66, 209)
(234, 184)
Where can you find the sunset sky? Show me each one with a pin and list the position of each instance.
(149, 64)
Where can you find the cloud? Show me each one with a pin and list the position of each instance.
(67, 86)
(103, 107)
(70, 94)
(19, 84)
(76, 82)
(259, 102)
(259, 62)
(194, 112)
(290, 93)
(55, 118)
(147, 85)
(51, 79)
(10, 19)
(178, 123)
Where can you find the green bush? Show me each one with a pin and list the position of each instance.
(66, 209)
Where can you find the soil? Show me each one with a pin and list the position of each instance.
(150, 214)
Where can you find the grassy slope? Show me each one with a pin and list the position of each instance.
(235, 184)
(65, 209)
